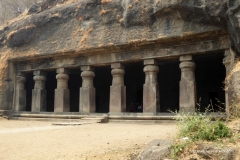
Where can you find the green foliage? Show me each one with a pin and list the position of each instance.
(177, 148)
(198, 126)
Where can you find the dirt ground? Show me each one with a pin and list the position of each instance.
(41, 140)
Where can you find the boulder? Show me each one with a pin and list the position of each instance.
(156, 150)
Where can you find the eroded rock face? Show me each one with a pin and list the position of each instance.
(93, 23)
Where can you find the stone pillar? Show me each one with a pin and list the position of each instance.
(39, 94)
(151, 87)
(62, 94)
(117, 90)
(187, 95)
(20, 93)
(87, 91)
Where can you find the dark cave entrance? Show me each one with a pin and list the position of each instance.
(29, 85)
(102, 83)
(74, 84)
(50, 86)
(134, 79)
(168, 80)
(210, 75)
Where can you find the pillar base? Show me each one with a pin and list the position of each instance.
(151, 98)
(61, 100)
(87, 100)
(39, 102)
(117, 99)
(20, 100)
(187, 96)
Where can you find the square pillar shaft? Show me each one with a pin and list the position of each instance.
(151, 88)
(117, 90)
(39, 94)
(187, 85)
(61, 100)
(39, 102)
(87, 102)
(151, 98)
(62, 93)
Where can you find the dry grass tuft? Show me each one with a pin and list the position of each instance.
(104, 11)
(110, 44)
(85, 35)
(80, 19)
(130, 6)
(100, 45)
(3, 67)
(136, 1)
(106, 1)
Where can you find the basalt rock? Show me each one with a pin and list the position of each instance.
(92, 23)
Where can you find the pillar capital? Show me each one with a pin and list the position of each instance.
(39, 73)
(117, 65)
(150, 62)
(62, 71)
(87, 68)
(151, 68)
(186, 58)
(20, 82)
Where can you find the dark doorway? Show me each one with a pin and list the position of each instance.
(29, 85)
(168, 79)
(102, 83)
(134, 79)
(210, 74)
(51, 85)
(74, 84)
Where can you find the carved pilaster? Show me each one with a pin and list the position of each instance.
(62, 94)
(187, 95)
(151, 87)
(87, 91)
(20, 97)
(117, 90)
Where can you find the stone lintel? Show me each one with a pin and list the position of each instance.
(186, 58)
(62, 70)
(39, 73)
(87, 68)
(150, 62)
(22, 74)
(117, 65)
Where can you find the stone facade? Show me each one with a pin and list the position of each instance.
(85, 35)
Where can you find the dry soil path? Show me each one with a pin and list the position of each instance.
(41, 140)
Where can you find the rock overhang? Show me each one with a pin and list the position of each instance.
(103, 25)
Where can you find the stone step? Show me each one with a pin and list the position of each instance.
(60, 120)
(142, 121)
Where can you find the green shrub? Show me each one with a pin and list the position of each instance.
(198, 126)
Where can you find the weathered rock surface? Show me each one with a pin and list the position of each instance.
(52, 26)
(156, 150)
(209, 151)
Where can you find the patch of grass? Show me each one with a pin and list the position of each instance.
(198, 127)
